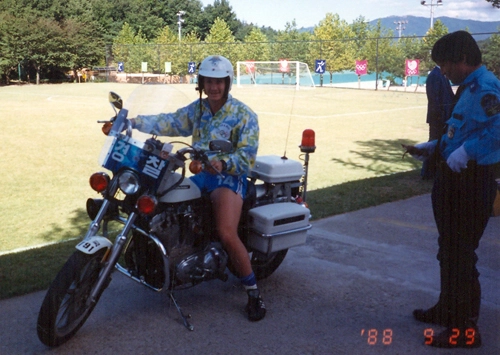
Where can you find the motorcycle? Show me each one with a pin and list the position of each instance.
(156, 226)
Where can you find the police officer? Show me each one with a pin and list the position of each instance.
(464, 188)
(439, 105)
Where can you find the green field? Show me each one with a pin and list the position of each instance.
(51, 143)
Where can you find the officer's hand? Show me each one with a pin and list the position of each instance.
(427, 147)
(421, 151)
(458, 159)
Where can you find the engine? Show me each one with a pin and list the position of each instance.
(192, 256)
(204, 265)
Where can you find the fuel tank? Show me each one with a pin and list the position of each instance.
(186, 190)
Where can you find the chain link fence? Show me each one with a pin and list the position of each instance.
(386, 58)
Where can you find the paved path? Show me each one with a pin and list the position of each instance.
(359, 273)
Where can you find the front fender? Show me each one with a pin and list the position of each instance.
(93, 244)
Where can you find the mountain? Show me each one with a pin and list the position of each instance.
(420, 25)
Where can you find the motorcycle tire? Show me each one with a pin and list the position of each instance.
(65, 307)
(263, 265)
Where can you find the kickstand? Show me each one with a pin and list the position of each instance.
(188, 325)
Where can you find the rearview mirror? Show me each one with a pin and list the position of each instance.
(115, 100)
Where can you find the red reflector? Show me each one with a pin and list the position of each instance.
(146, 204)
(99, 181)
(308, 144)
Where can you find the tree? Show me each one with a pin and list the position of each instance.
(291, 44)
(220, 35)
(256, 47)
(130, 48)
(193, 51)
(360, 28)
(243, 31)
(336, 44)
(12, 51)
(46, 45)
(86, 49)
(494, 3)
(143, 17)
(491, 58)
(170, 50)
(382, 52)
(431, 37)
(167, 10)
(219, 10)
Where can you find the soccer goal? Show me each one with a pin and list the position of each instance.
(283, 72)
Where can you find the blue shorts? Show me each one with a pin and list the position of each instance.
(209, 182)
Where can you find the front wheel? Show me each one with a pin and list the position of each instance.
(66, 305)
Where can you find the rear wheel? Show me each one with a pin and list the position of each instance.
(66, 305)
(263, 265)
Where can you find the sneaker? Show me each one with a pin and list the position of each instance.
(255, 308)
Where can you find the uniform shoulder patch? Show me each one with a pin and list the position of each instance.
(490, 104)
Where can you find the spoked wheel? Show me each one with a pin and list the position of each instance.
(66, 305)
(263, 265)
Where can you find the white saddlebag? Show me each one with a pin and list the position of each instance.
(278, 226)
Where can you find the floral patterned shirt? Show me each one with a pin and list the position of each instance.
(235, 122)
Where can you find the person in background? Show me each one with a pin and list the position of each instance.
(464, 188)
(219, 116)
(439, 105)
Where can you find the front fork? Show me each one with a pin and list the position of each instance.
(116, 248)
(96, 223)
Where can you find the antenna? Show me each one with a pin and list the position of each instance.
(289, 125)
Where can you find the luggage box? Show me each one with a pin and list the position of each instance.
(279, 226)
(274, 169)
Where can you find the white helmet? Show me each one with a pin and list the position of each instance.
(217, 66)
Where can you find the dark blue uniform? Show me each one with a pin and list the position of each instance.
(440, 99)
(462, 202)
(439, 102)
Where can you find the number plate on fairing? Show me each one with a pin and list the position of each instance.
(130, 153)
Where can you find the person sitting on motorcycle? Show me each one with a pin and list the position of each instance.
(219, 116)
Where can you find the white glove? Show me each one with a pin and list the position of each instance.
(458, 159)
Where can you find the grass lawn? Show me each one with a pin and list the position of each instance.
(51, 143)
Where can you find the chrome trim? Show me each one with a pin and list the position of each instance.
(284, 233)
(301, 229)
(166, 265)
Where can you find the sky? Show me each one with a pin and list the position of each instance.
(308, 13)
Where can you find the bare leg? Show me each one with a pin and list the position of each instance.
(227, 210)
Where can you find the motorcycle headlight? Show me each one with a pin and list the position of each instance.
(128, 182)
